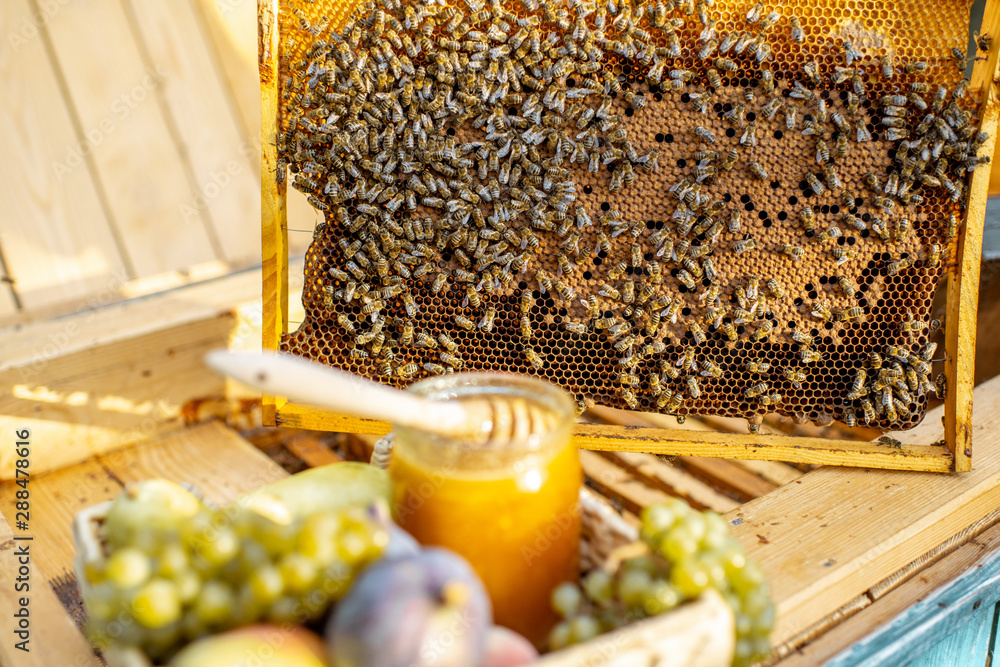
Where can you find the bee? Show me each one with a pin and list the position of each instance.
(802, 338)
(797, 34)
(831, 232)
(770, 399)
(543, 280)
(345, 322)
(704, 134)
(852, 313)
(815, 184)
(951, 228)
(853, 221)
(810, 356)
(933, 255)
(796, 377)
(868, 410)
(464, 322)
(941, 386)
(763, 330)
(749, 137)
(822, 152)
(532, 357)
(758, 171)
(822, 312)
(628, 396)
(793, 251)
(844, 254)
(894, 267)
(697, 333)
(767, 80)
(694, 391)
(915, 67)
(832, 180)
(888, 70)
(756, 390)
(565, 291)
(450, 359)
(616, 272)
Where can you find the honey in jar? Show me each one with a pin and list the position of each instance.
(509, 507)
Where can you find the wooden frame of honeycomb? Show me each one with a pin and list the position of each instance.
(954, 454)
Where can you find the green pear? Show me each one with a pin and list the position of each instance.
(257, 645)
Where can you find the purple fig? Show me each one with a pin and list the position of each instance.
(506, 648)
(428, 610)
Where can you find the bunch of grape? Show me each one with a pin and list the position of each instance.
(223, 568)
(688, 552)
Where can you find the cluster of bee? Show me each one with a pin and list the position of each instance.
(441, 142)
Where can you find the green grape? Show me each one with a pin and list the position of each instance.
(680, 543)
(214, 603)
(656, 520)
(94, 570)
(266, 584)
(599, 586)
(742, 652)
(299, 572)
(660, 597)
(744, 624)
(172, 560)
(128, 567)
(690, 576)
(219, 547)
(763, 622)
(560, 636)
(566, 599)
(103, 601)
(645, 563)
(188, 585)
(761, 647)
(583, 628)
(695, 523)
(632, 587)
(746, 578)
(714, 568)
(156, 604)
(716, 535)
(756, 601)
(317, 538)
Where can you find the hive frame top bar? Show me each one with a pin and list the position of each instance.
(955, 454)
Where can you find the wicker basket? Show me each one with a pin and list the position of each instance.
(697, 634)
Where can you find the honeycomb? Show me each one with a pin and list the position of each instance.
(484, 211)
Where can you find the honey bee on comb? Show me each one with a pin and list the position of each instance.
(541, 183)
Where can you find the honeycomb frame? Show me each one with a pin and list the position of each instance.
(954, 454)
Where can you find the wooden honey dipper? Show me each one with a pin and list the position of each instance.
(492, 420)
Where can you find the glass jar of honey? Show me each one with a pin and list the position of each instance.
(508, 506)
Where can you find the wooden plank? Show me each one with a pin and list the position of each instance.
(968, 645)
(58, 244)
(610, 438)
(220, 159)
(615, 482)
(117, 98)
(107, 377)
(55, 500)
(666, 477)
(967, 582)
(963, 286)
(227, 465)
(833, 533)
(727, 475)
(274, 221)
(312, 450)
(54, 639)
(774, 472)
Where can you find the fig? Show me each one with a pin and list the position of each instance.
(427, 610)
(258, 645)
(331, 487)
(142, 509)
(506, 648)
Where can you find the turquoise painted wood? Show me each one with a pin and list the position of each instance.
(944, 613)
(966, 647)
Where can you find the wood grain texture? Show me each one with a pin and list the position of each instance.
(968, 645)
(221, 160)
(610, 438)
(913, 618)
(963, 286)
(834, 533)
(54, 638)
(658, 474)
(57, 242)
(116, 97)
(106, 378)
(619, 483)
(274, 220)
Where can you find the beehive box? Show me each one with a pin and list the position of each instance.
(607, 257)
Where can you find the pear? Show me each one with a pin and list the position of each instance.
(331, 487)
(257, 645)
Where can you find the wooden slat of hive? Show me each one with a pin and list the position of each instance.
(117, 98)
(57, 242)
(204, 124)
(53, 638)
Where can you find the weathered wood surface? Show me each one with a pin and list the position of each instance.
(963, 286)
(834, 533)
(110, 377)
(53, 638)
